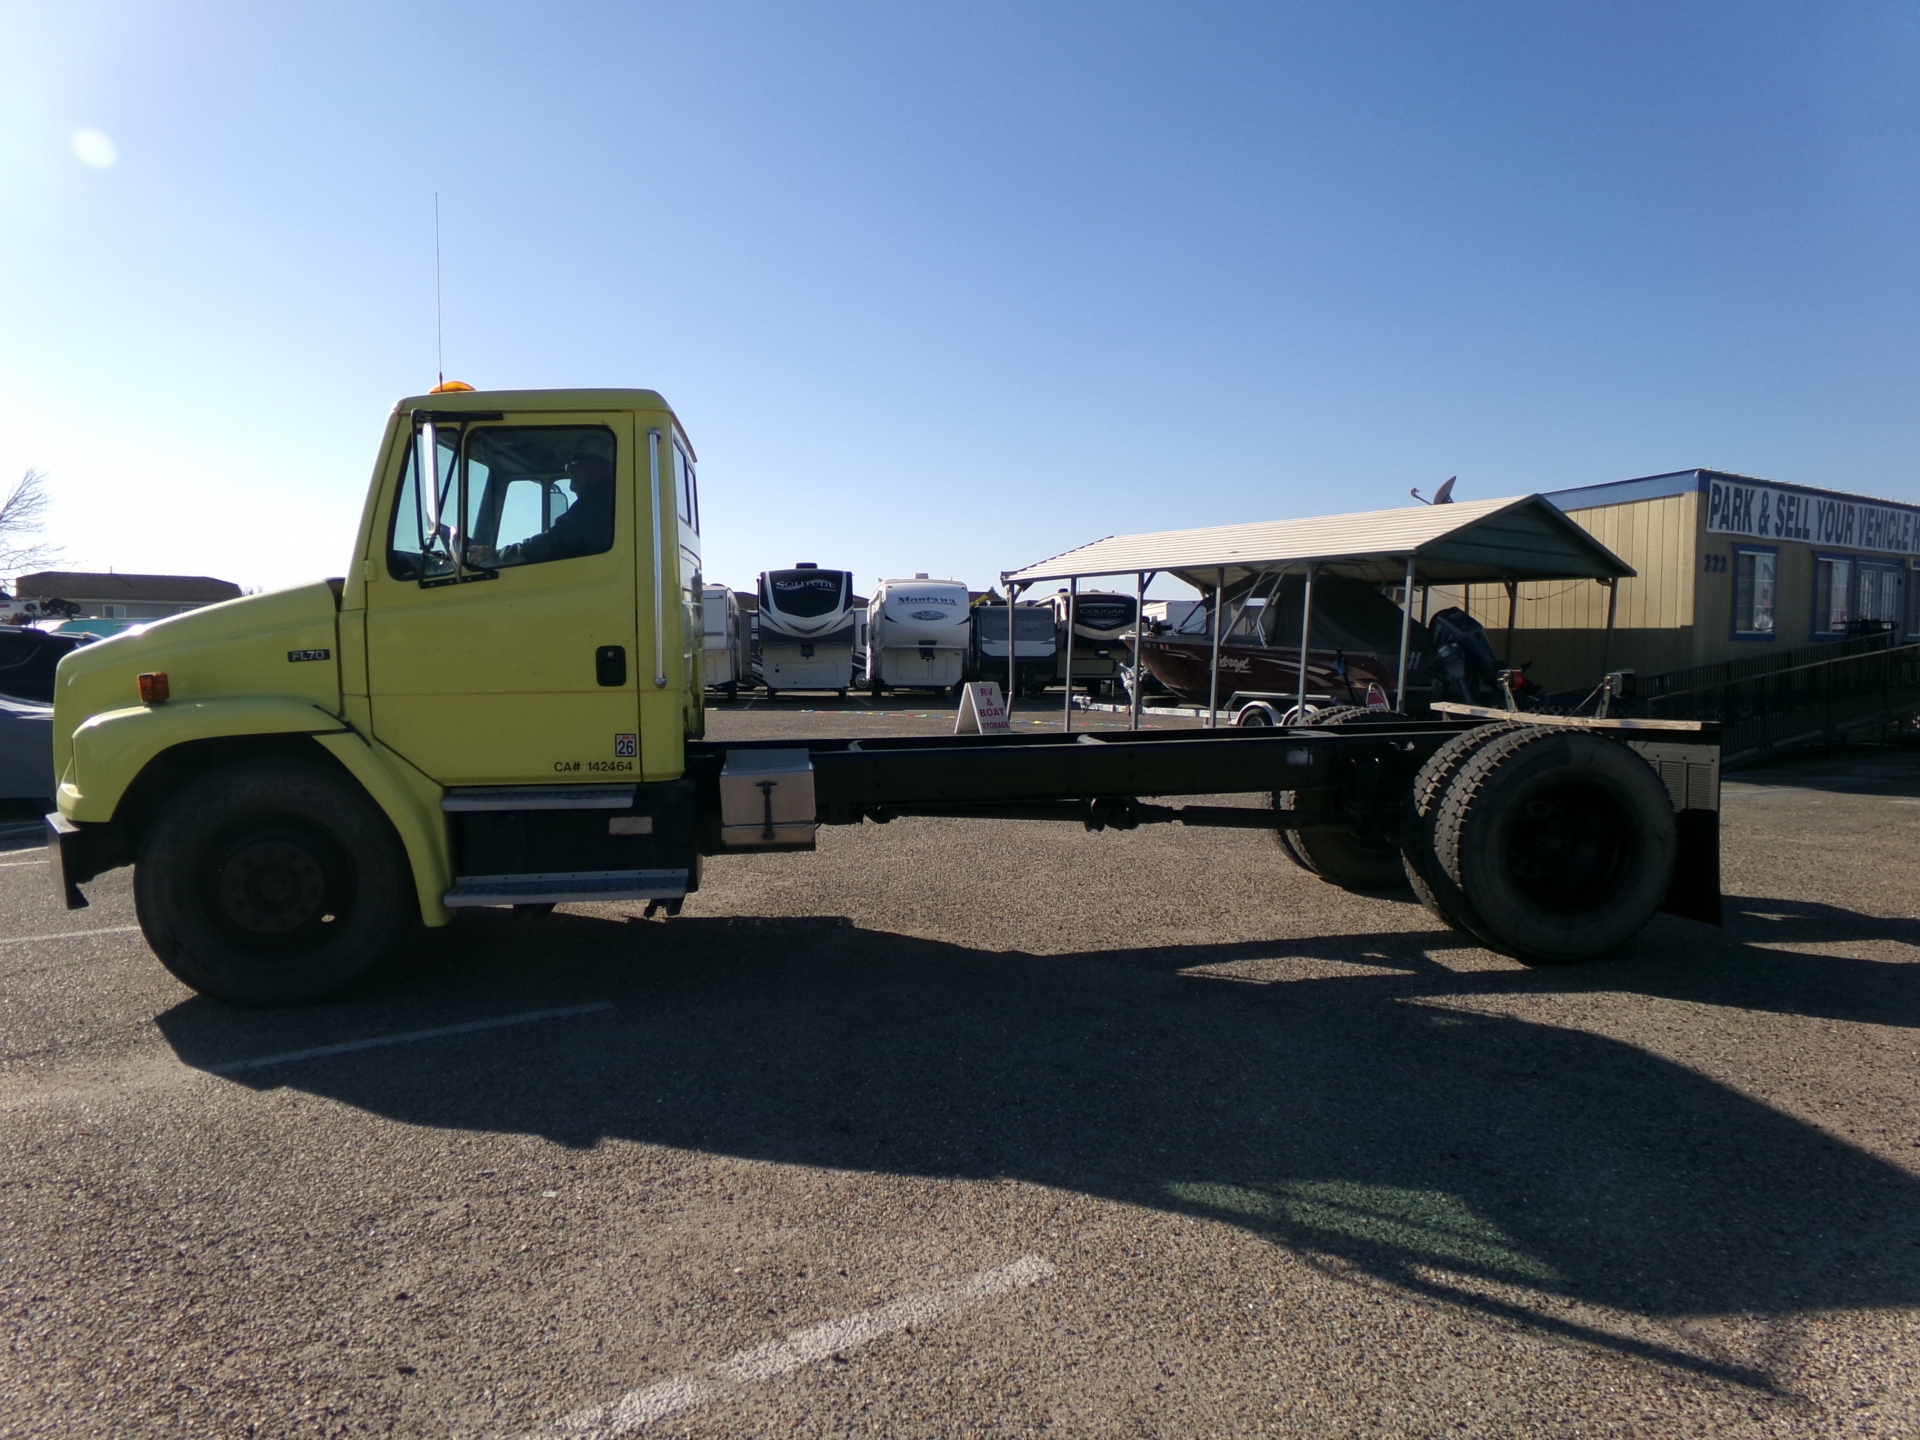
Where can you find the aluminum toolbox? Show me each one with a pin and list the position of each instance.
(766, 800)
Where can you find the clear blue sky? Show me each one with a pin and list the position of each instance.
(953, 287)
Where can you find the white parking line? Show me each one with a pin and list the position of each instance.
(287, 1057)
(68, 934)
(802, 1347)
(20, 864)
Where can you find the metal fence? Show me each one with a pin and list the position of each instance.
(1763, 705)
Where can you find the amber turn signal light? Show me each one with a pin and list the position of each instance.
(153, 688)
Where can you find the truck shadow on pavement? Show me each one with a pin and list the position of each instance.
(1342, 1097)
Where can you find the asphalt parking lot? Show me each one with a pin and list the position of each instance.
(976, 1128)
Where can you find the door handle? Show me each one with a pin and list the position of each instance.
(610, 665)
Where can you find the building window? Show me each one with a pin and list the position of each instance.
(1754, 574)
(1832, 594)
(1880, 591)
(1913, 599)
(114, 612)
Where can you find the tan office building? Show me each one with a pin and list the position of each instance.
(1727, 566)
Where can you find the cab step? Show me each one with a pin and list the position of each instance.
(566, 887)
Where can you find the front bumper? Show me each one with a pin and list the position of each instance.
(64, 859)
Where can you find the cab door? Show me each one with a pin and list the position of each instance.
(501, 619)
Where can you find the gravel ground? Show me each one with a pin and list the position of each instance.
(1132, 1134)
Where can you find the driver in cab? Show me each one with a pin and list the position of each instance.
(585, 528)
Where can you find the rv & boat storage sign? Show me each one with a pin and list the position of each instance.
(1772, 512)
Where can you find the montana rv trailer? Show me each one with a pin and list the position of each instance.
(917, 635)
(1034, 650)
(729, 643)
(1100, 624)
(806, 629)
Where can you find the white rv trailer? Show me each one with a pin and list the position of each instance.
(806, 629)
(729, 643)
(917, 635)
(1102, 622)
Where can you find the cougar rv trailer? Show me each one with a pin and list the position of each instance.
(1100, 624)
(916, 635)
(729, 644)
(1035, 661)
(806, 629)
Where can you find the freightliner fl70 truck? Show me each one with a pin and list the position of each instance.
(500, 704)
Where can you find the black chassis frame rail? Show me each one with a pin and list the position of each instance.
(1098, 779)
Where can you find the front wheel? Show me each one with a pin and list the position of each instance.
(276, 882)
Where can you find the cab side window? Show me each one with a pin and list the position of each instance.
(687, 491)
(512, 495)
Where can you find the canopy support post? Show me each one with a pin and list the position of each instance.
(1306, 634)
(1406, 640)
(1139, 645)
(1073, 595)
(1513, 615)
(1012, 673)
(1213, 661)
(1606, 642)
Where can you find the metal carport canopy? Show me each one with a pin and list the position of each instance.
(1522, 538)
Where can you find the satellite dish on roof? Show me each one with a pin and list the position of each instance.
(1442, 496)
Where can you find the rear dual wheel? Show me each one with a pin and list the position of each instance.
(275, 882)
(1547, 843)
(1351, 861)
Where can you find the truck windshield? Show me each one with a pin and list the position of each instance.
(415, 549)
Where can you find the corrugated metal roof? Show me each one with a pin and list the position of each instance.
(1520, 538)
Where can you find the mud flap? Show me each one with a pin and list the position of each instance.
(1694, 891)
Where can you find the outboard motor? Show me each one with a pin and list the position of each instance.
(1469, 668)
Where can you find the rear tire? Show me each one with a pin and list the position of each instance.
(1428, 877)
(1353, 862)
(275, 882)
(1561, 841)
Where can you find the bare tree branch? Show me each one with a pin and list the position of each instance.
(22, 514)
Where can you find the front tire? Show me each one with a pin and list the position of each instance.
(275, 882)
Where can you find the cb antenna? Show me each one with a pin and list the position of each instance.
(439, 338)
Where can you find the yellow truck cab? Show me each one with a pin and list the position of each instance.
(491, 706)
(500, 703)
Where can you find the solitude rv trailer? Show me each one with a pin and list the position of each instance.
(806, 629)
(1101, 621)
(1035, 661)
(917, 635)
(729, 644)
